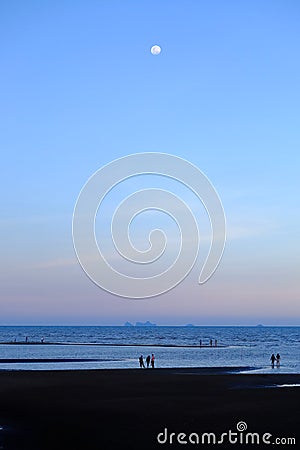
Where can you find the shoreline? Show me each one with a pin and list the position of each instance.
(195, 370)
(128, 408)
(115, 344)
(214, 370)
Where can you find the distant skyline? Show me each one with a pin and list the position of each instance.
(80, 88)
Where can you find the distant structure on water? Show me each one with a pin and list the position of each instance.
(140, 324)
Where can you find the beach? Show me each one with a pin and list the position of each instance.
(110, 409)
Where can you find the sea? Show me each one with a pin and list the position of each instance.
(117, 347)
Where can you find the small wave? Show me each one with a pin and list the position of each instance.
(287, 385)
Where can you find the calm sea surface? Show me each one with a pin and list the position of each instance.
(172, 346)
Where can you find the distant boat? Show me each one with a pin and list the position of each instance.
(145, 324)
(140, 324)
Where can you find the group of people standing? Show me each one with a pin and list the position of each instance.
(149, 359)
(275, 358)
(210, 343)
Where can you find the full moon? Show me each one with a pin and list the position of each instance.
(155, 50)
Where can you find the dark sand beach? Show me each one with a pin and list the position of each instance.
(112, 409)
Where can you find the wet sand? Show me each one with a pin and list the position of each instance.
(127, 409)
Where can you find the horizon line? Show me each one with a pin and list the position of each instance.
(188, 325)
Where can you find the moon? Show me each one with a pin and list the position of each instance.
(155, 50)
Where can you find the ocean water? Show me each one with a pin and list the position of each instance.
(85, 347)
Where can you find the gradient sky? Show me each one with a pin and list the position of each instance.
(79, 88)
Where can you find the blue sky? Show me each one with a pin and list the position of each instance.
(80, 88)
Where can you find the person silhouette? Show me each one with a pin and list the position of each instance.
(152, 361)
(148, 361)
(141, 361)
(278, 359)
(273, 358)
